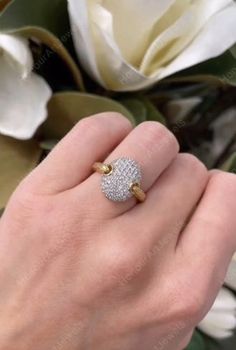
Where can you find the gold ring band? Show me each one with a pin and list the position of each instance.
(102, 168)
(138, 193)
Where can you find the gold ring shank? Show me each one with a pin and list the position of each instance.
(102, 168)
(138, 193)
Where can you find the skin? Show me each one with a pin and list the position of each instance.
(79, 272)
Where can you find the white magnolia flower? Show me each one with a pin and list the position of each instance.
(131, 44)
(231, 275)
(220, 322)
(23, 94)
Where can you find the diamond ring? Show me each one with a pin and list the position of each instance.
(121, 179)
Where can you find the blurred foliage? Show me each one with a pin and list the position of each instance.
(230, 164)
(66, 109)
(202, 342)
(207, 130)
(228, 344)
(3, 4)
(39, 21)
(143, 109)
(197, 342)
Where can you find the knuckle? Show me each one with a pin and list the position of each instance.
(156, 133)
(224, 180)
(194, 307)
(191, 306)
(120, 261)
(116, 116)
(22, 207)
(25, 207)
(89, 123)
(194, 165)
(191, 300)
(97, 121)
(122, 266)
(23, 199)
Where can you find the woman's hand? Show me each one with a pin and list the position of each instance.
(79, 272)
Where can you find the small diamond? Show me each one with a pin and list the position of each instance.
(116, 186)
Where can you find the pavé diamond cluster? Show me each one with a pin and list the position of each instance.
(116, 185)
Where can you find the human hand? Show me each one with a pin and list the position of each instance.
(79, 272)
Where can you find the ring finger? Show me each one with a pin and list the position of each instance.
(171, 201)
(153, 146)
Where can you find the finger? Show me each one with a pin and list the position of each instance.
(171, 201)
(153, 146)
(71, 161)
(187, 339)
(209, 240)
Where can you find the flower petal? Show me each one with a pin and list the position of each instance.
(178, 35)
(214, 332)
(204, 46)
(220, 322)
(82, 36)
(16, 50)
(127, 17)
(231, 274)
(225, 301)
(85, 32)
(23, 102)
(105, 51)
(115, 71)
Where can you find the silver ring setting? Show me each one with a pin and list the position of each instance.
(117, 184)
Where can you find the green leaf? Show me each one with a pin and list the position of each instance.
(48, 145)
(227, 344)
(197, 342)
(220, 70)
(45, 20)
(17, 159)
(137, 108)
(143, 109)
(230, 164)
(66, 109)
(152, 112)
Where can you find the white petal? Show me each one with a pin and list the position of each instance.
(115, 71)
(23, 102)
(180, 34)
(120, 75)
(17, 51)
(215, 332)
(111, 52)
(83, 37)
(96, 47)
(225, 301)
(221, 320)
(231, 274)
(205, 46)
(133, 22)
